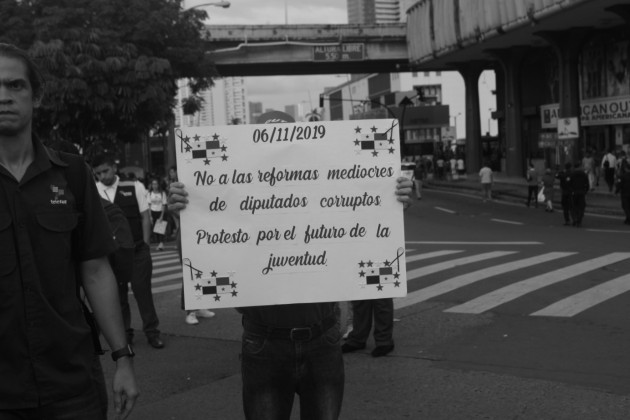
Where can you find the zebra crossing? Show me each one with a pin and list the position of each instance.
(422, 267)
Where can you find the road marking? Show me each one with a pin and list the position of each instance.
(434, 268)
(608, 230)
(168, 288)
(586, 299)
(164, 256)
(471, 243)
(445, 210)
(506, 221)
(469, 278)
(521, 288)
(167, 269)
(173, 276)
(166, 262)
(419, 257)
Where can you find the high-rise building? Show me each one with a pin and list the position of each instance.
(374, 11)
(223, 104)
(255, 110)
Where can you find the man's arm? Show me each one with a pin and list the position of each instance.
(100, 287)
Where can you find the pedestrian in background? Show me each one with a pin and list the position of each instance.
(532, 184)
(419, 172)
(381, 311)
(485, 177)
(55, 238)
(548, 180)
(624, 190)
(609, 162)
(588, 163)
(131, 196)
(157, 206)
(564, 177)
(579, 187)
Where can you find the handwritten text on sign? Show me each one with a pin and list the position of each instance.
(291, 213)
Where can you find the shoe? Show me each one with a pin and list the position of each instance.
(191, 318)
(204, 313)
(567, 223)
(156, 342)
(349, 348)
(380, 351)
(160, 246)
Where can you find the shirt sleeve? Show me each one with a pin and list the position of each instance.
(96, 239)
(164, 202)
(141, 196)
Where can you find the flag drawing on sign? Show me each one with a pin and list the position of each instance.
(203, 147)
(375, 141)
(212, 284)
(380, 274)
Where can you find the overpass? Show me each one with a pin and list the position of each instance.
(260, 50)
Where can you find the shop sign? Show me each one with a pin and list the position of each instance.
(449, 134)
(606, 111)
(568, 128)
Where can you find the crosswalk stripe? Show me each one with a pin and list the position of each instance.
(427, 255)
(588, 298)
(168, 277)
(167, 288)
(508, 293)
(434, 268)
(449, 285)
(473, 243)
(168, 269)
(165, 256)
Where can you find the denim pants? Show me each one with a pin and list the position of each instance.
(82, 407)
(274, 370)
(141, 287)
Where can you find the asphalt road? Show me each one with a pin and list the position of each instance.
(509, 315)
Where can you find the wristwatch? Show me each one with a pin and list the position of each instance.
(125, 351)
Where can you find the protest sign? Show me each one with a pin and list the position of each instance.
(291, 213)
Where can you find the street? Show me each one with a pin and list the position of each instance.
(509, 314)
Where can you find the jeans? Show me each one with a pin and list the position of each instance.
(274, 370)
(82, 407)
(141, 287)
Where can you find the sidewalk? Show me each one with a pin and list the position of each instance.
(514, 189)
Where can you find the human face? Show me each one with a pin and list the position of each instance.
(105, 173)
(16, 98)
(154, 185)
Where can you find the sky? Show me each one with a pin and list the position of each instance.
(277, 91)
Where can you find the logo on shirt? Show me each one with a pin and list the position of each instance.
(58, 194)
(126, 193)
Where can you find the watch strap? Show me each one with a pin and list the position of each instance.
(125, 351)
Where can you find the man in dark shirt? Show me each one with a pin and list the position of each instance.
(565, 177)
(579, 185)
(49, 234)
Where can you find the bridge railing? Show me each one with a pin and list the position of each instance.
(437, 27)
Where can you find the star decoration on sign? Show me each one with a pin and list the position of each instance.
(357, 130)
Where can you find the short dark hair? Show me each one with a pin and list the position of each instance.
(103, 159)
(34, 74)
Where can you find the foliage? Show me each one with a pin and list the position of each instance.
(111, 65)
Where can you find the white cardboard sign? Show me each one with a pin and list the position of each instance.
(291, 213)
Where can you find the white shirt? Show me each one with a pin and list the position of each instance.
(157, 200)
(109, 193)
(485, 174)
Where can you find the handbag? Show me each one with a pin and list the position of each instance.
(541, 195)
(160, 227)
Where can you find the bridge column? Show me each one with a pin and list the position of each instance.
(510, 61)
(567, 46)
(471, 72)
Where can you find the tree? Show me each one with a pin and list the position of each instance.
(111, 65)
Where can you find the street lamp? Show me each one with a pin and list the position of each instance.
(223, 4)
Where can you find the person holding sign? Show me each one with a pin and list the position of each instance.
(290, 348)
